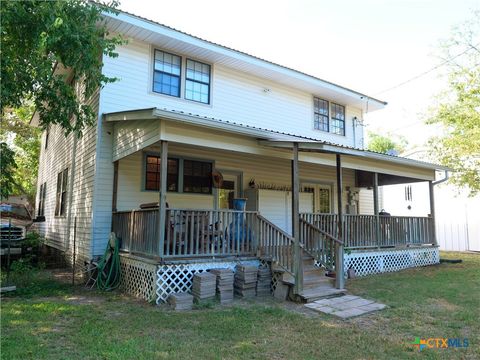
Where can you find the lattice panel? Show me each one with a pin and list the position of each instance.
(138, 278)
(374, 262)
(276, 279)
(177, 278)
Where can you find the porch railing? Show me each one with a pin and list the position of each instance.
(275, 244)
(188, 232)
(319, 244)
(360, 231)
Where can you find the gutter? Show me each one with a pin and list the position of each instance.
(447, 176)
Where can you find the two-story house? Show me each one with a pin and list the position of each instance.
(191, 128)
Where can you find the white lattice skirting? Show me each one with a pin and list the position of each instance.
(177, 278)
(138, 278)
(380, 261)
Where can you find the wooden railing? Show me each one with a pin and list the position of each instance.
(360, 231)
(275, 243)
(319, 244)
(188, 233)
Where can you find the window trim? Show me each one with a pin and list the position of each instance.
(61, 202)
(330, 117)
(200, 82)
(144, 171)
(180, 76)
(41, 199)
(337, 119)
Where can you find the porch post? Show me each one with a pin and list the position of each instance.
(297, 253)
(162, 201)
(339, 278)
(375, 208)
(433, 229)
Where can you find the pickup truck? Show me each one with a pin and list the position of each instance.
(15, 221)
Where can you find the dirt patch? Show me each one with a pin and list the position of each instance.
(444, 305)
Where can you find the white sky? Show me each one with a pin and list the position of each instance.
(365, 45)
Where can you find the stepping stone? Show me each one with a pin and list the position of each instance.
(346, 306)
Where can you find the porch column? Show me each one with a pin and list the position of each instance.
(162, 201)
(375, 208)
(297, 252)
(433, 229)
(339, 278)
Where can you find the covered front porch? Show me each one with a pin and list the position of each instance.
(301, 195)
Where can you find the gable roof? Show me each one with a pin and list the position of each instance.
(175, 40)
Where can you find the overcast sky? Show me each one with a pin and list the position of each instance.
(366, 45)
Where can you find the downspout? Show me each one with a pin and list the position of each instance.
(70, 188)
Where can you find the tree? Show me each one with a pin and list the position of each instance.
(458, 109)
(386, 144)
(25, 143)
(7, 167)
(38, 39)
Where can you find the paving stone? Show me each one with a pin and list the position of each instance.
(346, 306)
(352, 304)
(345, 314)
(373, 307)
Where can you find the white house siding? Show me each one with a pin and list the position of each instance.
(365, 200)
(55, 159)
(235, 96)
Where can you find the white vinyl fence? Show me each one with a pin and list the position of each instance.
(458, 236)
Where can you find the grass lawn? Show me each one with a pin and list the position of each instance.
(47, 319)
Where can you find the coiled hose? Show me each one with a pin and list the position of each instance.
(109, 274)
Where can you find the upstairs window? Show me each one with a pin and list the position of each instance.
(197, 82)
(321, 114)
(338, 119)
(61, 199)
(328, 117)
(197, 177)
(41, 199)
(166, 76)
(152, 173)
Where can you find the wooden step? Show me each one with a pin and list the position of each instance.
(320, 292)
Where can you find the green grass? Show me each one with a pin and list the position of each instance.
(54, 321)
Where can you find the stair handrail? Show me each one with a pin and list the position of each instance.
(322, 248)
(275, 243)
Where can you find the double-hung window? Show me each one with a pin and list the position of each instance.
(61, 199)
(321, 114)
(329, 117)
(41, 199)
(197, 82)
(152, 173)
(197, 177)
(337, 125)
(167, 73)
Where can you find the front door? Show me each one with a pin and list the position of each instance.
(228, 191)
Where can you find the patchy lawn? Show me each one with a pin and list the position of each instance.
(48, 319)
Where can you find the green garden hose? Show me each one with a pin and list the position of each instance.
(109, 273)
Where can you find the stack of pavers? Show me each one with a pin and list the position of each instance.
(203, 288)
(245, 283)
(224, 285)
(264, 281)
(181, 301)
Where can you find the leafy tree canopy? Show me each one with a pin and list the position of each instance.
(24, 141)
(38, 37)
(7, 168)
(458, 108)
(386, 144)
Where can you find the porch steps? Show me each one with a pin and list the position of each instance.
(316, 285)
